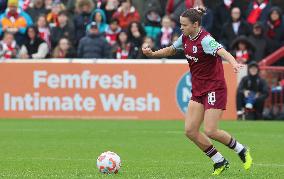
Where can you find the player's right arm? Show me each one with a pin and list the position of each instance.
(164, 52)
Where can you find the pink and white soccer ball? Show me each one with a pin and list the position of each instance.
(108, 162)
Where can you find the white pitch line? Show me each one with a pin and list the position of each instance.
(55, 159)
(269, 164)
(124, 161)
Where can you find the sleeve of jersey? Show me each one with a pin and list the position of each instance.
(178, 44)
(210, 45)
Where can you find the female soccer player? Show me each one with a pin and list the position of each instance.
(209, 91)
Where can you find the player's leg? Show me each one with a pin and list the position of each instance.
(194, 118)
(211, 130)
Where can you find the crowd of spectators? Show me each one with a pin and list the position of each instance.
(39, 29)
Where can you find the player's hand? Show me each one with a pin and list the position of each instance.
(237, 67)
(147, 51)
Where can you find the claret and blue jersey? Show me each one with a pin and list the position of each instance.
(205, 65)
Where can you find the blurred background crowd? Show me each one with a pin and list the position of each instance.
(117, 29)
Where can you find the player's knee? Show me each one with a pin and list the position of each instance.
(211, 133)
(191, 133)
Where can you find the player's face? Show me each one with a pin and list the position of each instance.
(187, 27)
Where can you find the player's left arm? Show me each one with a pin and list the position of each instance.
(228, 57)
(212, 47)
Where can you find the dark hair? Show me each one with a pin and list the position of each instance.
(194, 14)
(140, 29)
(258, 24)
(34, 28)
(253, 64)
(114, 20)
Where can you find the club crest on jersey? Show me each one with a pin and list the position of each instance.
(194, 49)
(211, 98)
(191, 58)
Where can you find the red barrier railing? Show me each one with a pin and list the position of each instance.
(272, 58)
(274, 75)
(275, 79)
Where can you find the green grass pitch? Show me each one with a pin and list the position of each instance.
(148, 149)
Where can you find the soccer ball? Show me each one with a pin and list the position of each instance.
(108, 162)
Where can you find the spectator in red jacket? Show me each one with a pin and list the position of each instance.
(110, 7)
(126, 14)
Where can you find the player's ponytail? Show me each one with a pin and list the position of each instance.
(194, 14)
(201, 10)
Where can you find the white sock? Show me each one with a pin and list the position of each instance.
(235, 145)
(217, 158)
(214, 154)
(239, 147)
